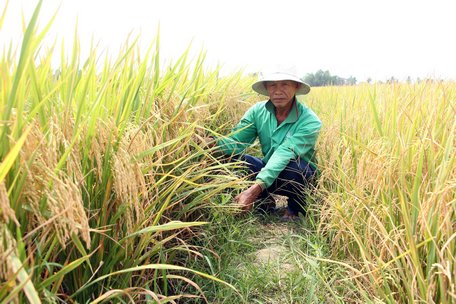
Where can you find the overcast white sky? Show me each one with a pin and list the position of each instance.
(370, 38)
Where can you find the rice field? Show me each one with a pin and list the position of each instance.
(105, 194)
(389, 188)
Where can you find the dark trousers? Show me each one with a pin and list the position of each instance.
(292, 181)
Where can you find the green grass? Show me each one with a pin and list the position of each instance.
(268, 261)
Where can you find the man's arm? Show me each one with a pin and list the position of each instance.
(243, 135)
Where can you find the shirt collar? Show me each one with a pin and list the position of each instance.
(292, 116)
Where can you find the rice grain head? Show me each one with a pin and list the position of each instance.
(62, 194)
(129, 186)
(39, 157)
(65, 203)
(6, 212)
(100, 141)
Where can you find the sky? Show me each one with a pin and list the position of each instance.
(364, 39)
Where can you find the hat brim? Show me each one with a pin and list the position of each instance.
(260, 85)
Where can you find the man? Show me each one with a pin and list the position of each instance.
(287, 131)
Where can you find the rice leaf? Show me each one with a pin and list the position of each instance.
(166, 227)
(8, 162)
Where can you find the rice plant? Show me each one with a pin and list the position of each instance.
(388, 183)
(102, 187)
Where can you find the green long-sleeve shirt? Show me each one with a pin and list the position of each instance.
(292, 139)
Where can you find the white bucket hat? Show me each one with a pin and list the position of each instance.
(278, 75)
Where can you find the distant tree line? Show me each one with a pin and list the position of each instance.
(324, 78)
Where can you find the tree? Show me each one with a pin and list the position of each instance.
(350, 80)
(324, 78)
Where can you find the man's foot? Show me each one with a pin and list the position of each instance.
(290, 216)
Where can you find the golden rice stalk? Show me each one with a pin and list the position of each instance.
(7, 246)
(39, 157)
(105, 133)
(64, 201)
(6, 212)
(129, 186)
(65, 135)
(62, 194)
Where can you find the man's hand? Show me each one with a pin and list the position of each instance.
(246, 198)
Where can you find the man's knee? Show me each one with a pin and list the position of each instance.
(300, 172)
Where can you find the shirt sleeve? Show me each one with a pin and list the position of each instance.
(294, 147)
(242, 136)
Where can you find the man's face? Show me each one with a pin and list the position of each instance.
(281, 92)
